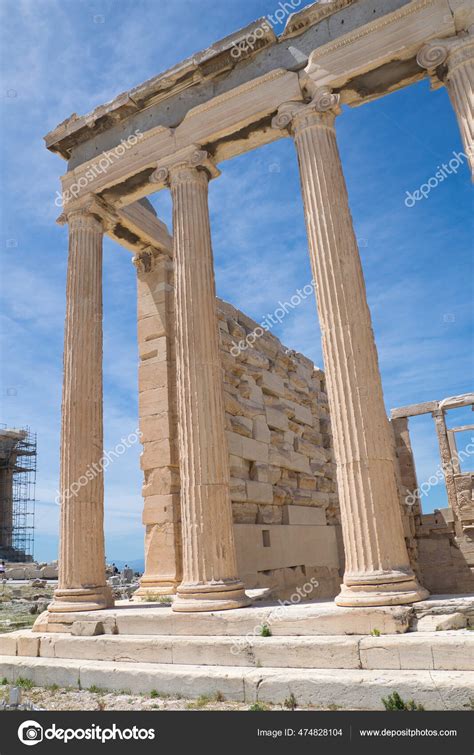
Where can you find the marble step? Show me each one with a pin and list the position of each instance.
(448, 651)
(323, 618)
(347, 688)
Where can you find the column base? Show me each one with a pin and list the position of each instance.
(81, 599)
(216, 596)
(383, 593)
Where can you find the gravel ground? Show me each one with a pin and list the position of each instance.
(52, 698)
(21, 603)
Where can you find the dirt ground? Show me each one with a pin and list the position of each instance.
(58, 698)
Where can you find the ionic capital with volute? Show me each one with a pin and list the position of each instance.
(192, 164)
(321, 110)
(89, 211)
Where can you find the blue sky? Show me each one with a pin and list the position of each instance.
(64, 56)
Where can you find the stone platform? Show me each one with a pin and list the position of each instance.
(321, 653)
(310, 618)
(315, 618)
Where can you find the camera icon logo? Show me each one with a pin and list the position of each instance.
(30, 733)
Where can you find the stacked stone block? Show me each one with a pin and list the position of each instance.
(283, 475)
(158, 423)
(277, 422)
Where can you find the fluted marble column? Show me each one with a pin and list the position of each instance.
(210, 580)
(82, 585)
(377, 565)
(452, 62)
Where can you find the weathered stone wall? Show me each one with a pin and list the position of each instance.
(283, 487)
(440, 545)
(464, 490)
(446, 557)
(283, 475)
(277, 418)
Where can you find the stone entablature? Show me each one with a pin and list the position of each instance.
(361, 49)
(320, 27)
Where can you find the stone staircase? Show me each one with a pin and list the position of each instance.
(151, 648)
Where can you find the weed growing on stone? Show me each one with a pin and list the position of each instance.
(395, 702)
(204, 700)
(24, 683)
(155, 598)
(162, 695)
(259, 706)
(290, 702)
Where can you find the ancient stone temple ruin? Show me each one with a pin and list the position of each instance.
(441, 545)
(260, 470)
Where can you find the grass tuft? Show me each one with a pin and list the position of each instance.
(290, 702)
(259, 706)
(395, 702)
(204, 700)
(24, 683)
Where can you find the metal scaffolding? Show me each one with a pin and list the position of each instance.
(18, 454)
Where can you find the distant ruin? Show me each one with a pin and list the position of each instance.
(441, 545)
(17, 494)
